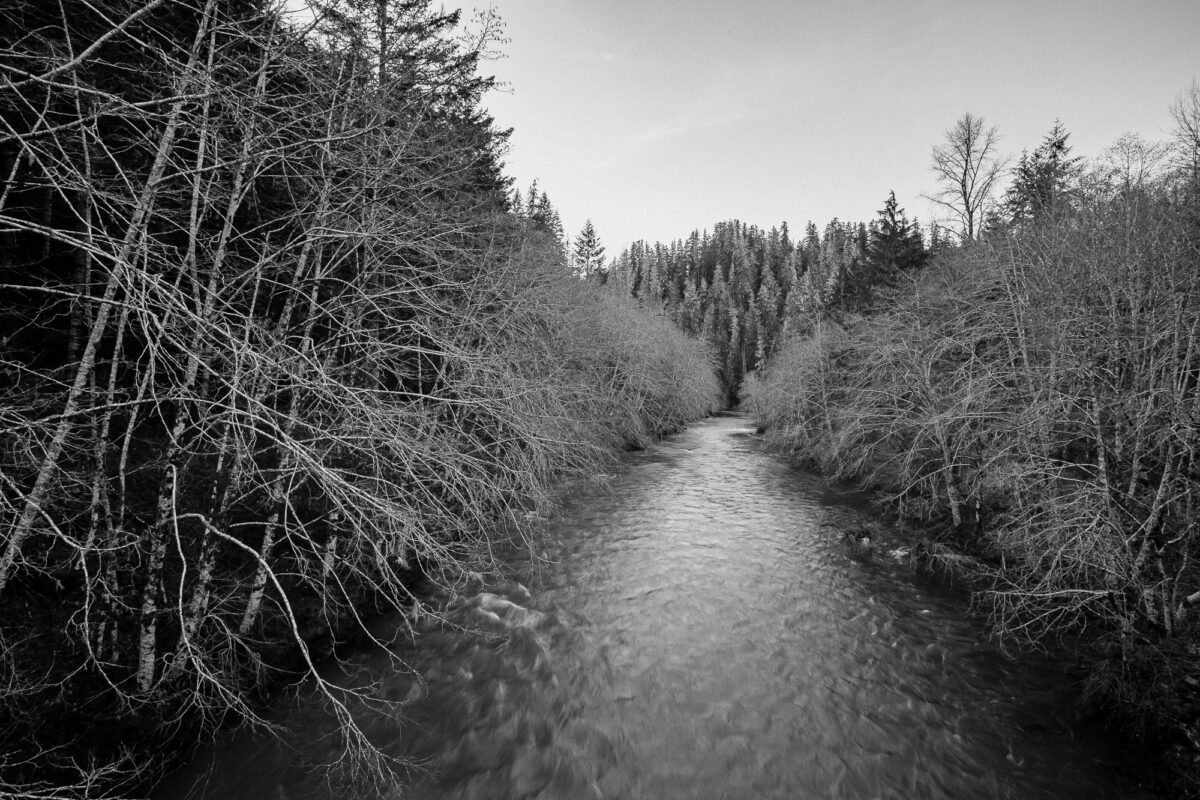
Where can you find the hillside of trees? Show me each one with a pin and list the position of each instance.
(275, 340)
(746, 290)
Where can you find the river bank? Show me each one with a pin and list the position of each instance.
(1028, 401)
(1153, 714)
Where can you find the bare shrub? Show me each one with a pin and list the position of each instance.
(1040, 391)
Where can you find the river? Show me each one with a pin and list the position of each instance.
(696, 628)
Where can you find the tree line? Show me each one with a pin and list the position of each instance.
(745, 290)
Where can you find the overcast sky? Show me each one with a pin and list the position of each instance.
(656, 117)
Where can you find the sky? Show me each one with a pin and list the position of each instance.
(654, 118)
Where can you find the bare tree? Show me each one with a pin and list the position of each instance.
(967, 167)
(1132, 162)
(1186, 113)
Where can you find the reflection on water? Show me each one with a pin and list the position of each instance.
(695, 631)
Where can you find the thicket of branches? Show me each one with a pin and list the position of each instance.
(1037, 391)
(270, 340)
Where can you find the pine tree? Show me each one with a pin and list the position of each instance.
(768, 314)
(894, 245)
(545, 216)
(540, 220)
(940, 240)
(1043, 180)
(620, 275)
(588, 255)
(794, 298)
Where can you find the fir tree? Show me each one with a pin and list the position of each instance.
(894, 245)
(588, 255)
(1044, 179)
(539, 219)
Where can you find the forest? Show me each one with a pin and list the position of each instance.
(277, 340)
(280, 339)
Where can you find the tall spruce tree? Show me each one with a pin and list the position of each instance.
(539, 219)
(1043, 180)
(893, 245)
(588, 255)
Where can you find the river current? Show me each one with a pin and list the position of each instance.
(695, 627)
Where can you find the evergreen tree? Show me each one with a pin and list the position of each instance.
(531, 198)
(1044, 179)
(793, 296)
(940, 240)
(620, 275)
(588, 256)
(840, 265)
(545, 216)
(769, 315)
(539, 219)
(894, 245)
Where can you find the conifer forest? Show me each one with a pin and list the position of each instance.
(280, 338)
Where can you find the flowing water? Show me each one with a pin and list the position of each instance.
(698, 629)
